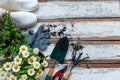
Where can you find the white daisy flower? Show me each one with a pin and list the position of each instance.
(36, 65)
(8, 74)
(12, 77)
(39, 73)
(24, 77)
(7, 66)
(2, 75)
(36, 50)
(45, 63)
(25, 54)
(17, 60)
(16, 68)
(23, 48)
(31, 60)
(31, 72)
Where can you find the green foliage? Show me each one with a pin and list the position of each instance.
(10, 36)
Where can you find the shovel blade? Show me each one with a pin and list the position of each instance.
(60, 50)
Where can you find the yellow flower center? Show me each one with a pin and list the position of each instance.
(16, 67)
(8, 75)
(31, 60)
(31, 71)
(17, 60)
(0, 67)
(40, 71)
(7, 66)
(2, 75)
(12, 78)
(37, 65)
(23, 49)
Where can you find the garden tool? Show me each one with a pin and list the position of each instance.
(59, 74)
(58, 54)
(75, 59)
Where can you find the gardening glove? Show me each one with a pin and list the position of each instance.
(40, 39)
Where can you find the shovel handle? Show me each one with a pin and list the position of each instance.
(67, 75)
(50, 73)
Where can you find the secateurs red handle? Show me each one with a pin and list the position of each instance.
(59, 74)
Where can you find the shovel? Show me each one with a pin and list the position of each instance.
(58, 54)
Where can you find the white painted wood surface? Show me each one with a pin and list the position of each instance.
(91, 74)
(105, 51)
(87, 29)
(61, 9)
(90, 29)
(58, 9)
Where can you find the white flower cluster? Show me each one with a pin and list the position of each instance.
(25, 61)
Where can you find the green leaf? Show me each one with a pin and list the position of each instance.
(11, 38)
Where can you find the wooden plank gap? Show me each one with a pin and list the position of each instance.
(100, 61)
(80, 19)
(95, 63)
(94, 40)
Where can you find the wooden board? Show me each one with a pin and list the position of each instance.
(91, 73)
(105, 51)
(91, 9)
(98, 27)
(101, 56)
(87, 30)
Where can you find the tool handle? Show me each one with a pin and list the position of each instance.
(50, 73)
(67, 75)
(64, 78)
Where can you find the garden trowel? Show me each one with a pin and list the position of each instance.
(58, 54)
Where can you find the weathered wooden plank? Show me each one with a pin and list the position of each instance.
(90, 29)
(107, 30)
(91, 74)
(104, 51)
(74, 0)
(59, 9)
